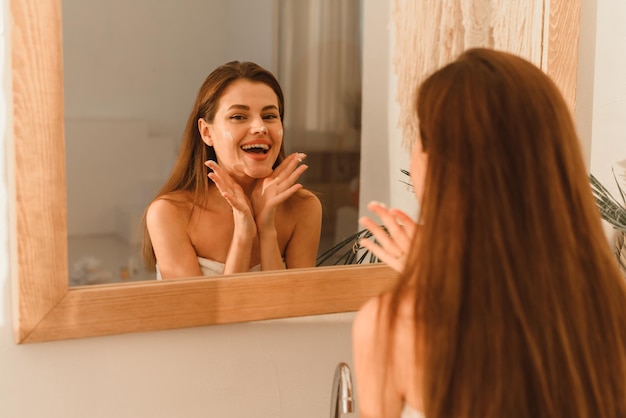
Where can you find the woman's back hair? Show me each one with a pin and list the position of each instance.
(189, 173)
(520, 303)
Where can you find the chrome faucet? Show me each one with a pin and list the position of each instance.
(342, 398)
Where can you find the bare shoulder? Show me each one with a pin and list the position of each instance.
(305, 203)
(377, 387)
(373, 319)
(308, 197)
(168, 208)
(302, 207)
(386, 358)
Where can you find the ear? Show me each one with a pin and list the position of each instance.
(206, 131)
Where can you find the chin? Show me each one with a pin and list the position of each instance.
(259, 172)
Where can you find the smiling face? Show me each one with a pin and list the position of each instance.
(247, 131)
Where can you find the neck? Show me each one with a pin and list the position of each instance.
(247, 185)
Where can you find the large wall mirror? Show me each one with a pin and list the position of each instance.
(47, 308)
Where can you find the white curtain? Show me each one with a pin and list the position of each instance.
(320, 71)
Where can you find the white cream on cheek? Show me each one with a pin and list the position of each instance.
(280, 136)
(228, 135)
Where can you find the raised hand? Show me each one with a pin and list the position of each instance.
(235, 196)
(276, 188)
(393, 244)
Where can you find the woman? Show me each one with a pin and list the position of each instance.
(231, 203)
(510, 302)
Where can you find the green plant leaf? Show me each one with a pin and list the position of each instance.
(611, 210)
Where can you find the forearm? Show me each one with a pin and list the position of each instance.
(240, 250)
(271, 257)
(238, 259)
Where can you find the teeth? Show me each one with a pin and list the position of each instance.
(253, 146)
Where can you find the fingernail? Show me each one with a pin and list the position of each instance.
(209, 162)
(301, 156)
(375, 202)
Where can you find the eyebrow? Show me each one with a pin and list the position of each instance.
(246, 107)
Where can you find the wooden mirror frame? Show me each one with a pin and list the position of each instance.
(46, 308)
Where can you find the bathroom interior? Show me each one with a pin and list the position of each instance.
(100, 366)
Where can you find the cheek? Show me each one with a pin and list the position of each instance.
(277, 136)
(227, 135)
(419, 164)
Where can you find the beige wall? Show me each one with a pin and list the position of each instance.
(608, 122)
(280, 369)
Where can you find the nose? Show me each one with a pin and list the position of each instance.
(258, 128)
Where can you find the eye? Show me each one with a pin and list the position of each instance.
(270, 116)
(237, 117)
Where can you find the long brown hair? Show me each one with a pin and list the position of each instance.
(521, 308)
(189, 173)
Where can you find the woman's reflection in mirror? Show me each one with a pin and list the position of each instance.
(232, 202)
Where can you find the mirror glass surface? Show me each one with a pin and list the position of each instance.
(131, 74)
